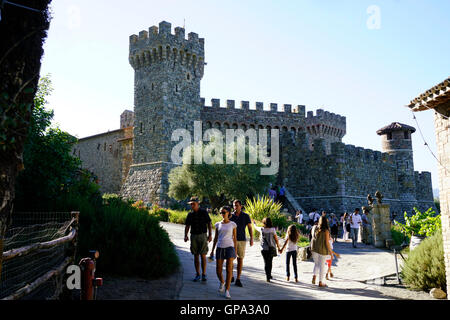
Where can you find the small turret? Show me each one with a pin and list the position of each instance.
(396, 141)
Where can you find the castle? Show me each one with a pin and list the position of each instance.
(318, 170)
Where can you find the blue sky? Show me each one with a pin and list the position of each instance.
(321, 54)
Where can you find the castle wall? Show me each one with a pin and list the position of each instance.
(101, 154)
(325, 125)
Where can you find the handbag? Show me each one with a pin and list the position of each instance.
(308, 253)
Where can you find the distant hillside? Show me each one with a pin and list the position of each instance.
(436, 193)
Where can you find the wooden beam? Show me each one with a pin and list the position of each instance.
(39, 281)
(7, 255)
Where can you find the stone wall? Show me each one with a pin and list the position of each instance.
(442, 126)
(102, 155)
(325, 125)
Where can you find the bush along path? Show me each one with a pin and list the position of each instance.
(350, 273)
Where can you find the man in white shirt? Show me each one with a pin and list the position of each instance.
(299, 216)
(355, 222)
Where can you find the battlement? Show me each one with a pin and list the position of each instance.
(258, 106)
(369, 155)
(159, 44)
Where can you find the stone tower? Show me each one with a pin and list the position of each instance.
(396, 141)
(168, 69)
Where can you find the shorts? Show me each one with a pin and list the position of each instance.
(241, 245)
(225, 253)
(328, 262)
(199, 244)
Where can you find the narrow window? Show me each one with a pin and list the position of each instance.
(153, 86)
(153, 128)
(141, 127)
(104, 147)
(176, 88)
(188, 76)
(389, 136)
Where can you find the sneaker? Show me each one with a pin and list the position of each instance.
(197, 277)
(204, 277)
(227, 294)
(222, 287)
(238, 283)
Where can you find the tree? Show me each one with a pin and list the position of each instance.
(22, 34)
(50, 169)
(218, 182)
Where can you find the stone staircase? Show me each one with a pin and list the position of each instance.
(292, 202)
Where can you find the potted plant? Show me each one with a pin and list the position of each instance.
(419, 226)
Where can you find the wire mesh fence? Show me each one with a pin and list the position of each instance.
(32, 234)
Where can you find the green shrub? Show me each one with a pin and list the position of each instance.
(421, 224)
(398, 236)
(262, 207)
(130, 240)
(424, 268)
(159, 213)
(177, 216)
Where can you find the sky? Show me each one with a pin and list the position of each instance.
(361, 59)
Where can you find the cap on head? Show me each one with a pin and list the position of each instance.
(193, 199)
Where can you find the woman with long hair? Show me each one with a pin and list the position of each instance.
(268, 241)
(345, 222)
(291, 239)
(320, 247)
(225, 238)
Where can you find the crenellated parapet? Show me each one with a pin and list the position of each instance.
(323, 124)
(159, 45)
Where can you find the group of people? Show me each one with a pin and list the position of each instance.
(230, 243)
(229, 239)
(352, 224)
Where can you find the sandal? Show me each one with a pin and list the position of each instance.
(322, 285)
(314, 280)
(331, 274)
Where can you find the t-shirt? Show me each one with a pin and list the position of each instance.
(282, 191)
(272, 194)
(198, 221)
(242, 221)
(300, 218)
(291, 246)
(225, 234)
(356, 219)
(316, 216)
(365, 220)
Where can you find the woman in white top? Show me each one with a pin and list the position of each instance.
(344, 223)
(292, 236)
(225, 239)
(268, 241)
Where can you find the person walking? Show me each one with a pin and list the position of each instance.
(198, 221)
(320, 247)
(225, 239)
(272, 194)
(334, 226)
(355, 222)
(345, 222)
(330, 259)
(366, 234)
(299, 216)
(282, 194)
(242, 221)
(291, 239)
(268, 241)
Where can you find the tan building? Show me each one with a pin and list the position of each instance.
(438, 100)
